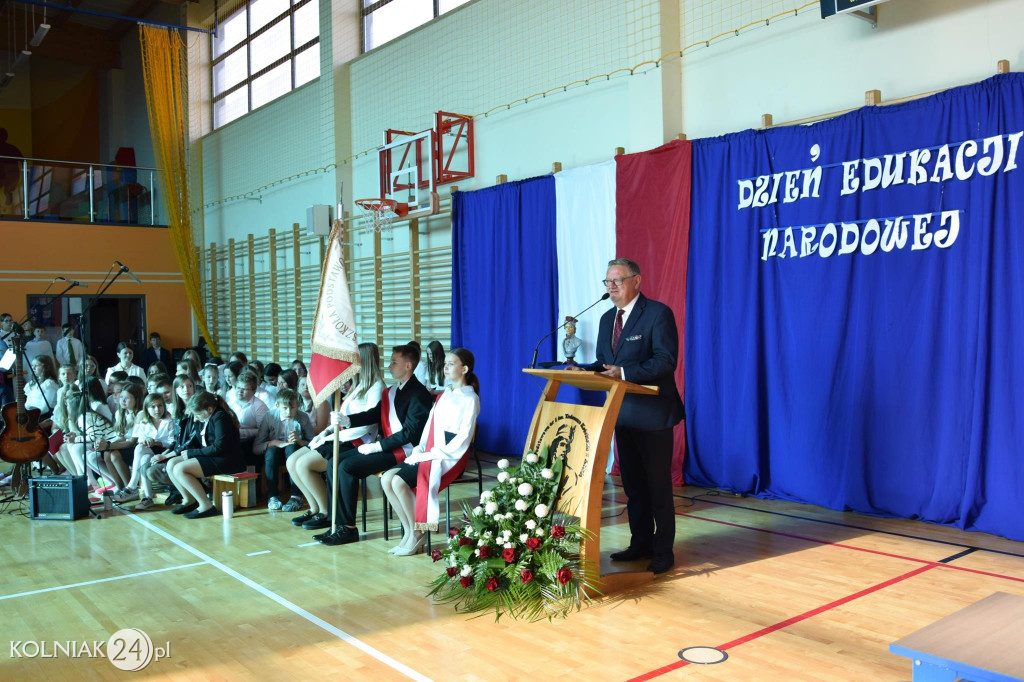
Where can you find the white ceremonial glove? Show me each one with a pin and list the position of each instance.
(340, 419)
(414, 458)
(370, 448)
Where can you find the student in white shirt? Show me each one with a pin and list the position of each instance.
(39, 346)
(68, 346)
(436, 380)
(125, 354)
(42, 394)
(250, 411)
(154, 434)
(443, 445)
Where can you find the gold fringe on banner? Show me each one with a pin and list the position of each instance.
(164, 68)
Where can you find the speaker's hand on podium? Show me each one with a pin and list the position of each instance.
(612, 371)
(574, 368)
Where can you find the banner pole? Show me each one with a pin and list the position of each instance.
(334, 464)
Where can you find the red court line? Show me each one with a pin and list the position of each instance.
(858, 549)
(790, 621)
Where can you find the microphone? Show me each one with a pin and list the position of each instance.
(125, 270)
(72, 282)
(533, 362)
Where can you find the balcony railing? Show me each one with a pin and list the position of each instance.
(44, 189)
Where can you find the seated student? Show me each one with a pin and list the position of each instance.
(282, 431)
(125, 364)
(40, 345)
(211, 379)
(300, 368)
(269, 386)
(219, 454)
(59, 420)
(157, 369)
(421, 368)
(401, 415)
(42, 394)
(115, 384)
(88, 428)
(92, 371)
(249, 411)
(118, 452)
(165, 388)
(192, 357)
(154, 433)
(188, 369)
(306, 465)
(288, 379)
(436, 381)
(186, 434)
(319, 415)
(443, 444)
(156, 353)
(154, 381)
(228, 375)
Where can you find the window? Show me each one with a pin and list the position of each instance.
(385, 20)
(264, 50)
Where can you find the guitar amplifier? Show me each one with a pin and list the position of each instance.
(63, 498)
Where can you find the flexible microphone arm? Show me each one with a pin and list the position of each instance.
(533, 362)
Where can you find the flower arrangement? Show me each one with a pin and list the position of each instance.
(514, 554)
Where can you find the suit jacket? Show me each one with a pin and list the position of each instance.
(149, 357)
(221, 442)
(647, 353)
(412, 405)
(186, 434)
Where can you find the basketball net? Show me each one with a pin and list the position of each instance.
(378, 214)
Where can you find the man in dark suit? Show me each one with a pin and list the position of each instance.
(637, 341)
(157, 353)
(401, 415)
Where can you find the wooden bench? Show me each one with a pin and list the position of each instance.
(982, 643)
(239, 485)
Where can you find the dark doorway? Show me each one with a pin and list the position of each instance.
(111, 320)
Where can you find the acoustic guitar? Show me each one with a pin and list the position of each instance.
(21, 438)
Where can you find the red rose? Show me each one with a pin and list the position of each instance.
(464, 541)
(485, 552)
(436, 555)
(453, 531)
(509, 555)
(492, 584)
(533, 543)
(466, 581)
(526, 575)
(564, 575)
(558, 531)
(452, 571)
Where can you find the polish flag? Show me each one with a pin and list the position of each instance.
(335, 347)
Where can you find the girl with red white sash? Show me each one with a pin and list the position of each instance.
(440, 456)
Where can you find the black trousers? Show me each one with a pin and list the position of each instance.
(352, 467)
(645, 462)
(273, 459)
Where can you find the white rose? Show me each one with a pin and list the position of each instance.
(499, 517)
(522, 505)
(525, 489)
(541, 510)
(513, 480)
(508, 545)
(547, 474)
(476, 552)
(506, 533)
(487, 534)
(491, 508)
(531, 524)
(541, 532)
(485, 495)
(477, 511)
(467, 570)
(532, 458)
(524, 537)
(503, 464)
(502, 476)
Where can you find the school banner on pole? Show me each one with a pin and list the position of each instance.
(855, 310)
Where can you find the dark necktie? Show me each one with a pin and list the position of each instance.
(617, 330)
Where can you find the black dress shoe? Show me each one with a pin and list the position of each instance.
(302, 518)
(631, 554)
(173, 498)
(343, 536)
(196, 514)
(660, 564)
(316, 522)
(185, 508)
(321, 536)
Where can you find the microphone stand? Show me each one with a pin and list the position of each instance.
(533, 362)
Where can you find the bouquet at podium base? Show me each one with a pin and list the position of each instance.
(514, 554)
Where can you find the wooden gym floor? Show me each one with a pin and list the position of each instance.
(792, 592)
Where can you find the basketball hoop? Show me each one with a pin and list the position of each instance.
(379, 213)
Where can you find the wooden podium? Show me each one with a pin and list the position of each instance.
(582, 435)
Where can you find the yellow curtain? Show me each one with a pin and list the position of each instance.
(165, 71)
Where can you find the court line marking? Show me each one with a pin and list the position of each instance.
(266, 551)
(790, 621)
(308, 544)
(294, 608)
(100, 580)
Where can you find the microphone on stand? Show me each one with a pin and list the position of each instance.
(533, 362)
(72, 282)
(127, 271)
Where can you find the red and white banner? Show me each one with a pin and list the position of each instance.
(335, 346)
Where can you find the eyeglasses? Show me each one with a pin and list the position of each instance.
(617, 281)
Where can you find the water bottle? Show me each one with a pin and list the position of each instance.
(227, 503)
(108, 500)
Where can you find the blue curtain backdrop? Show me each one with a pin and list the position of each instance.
(879, 369)
(504, 299)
